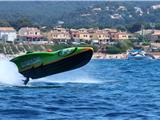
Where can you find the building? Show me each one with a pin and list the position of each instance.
(110, 30)
(155, 36)
(30, 34)
(122, 35)
(85, 36)
(29, 31)
(102, 35)
(74, 34)
(116, 36)
(8, 34)
(59, 34)
(150, 34)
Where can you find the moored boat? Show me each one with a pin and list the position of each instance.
(139, 54)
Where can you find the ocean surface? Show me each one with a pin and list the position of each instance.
(101, 90)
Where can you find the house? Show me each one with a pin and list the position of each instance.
(122, 36)
(74, 34)
(29, 31)
(154, 7)
(8, 34)
(155, 36)
(116, 36)
(110, 30)
(83, 30)
(85, 36)
(59, 34)
(102, 36)
(30, 34)
(150, 34)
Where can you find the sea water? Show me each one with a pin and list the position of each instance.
(101, 90)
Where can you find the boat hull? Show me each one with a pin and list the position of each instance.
(62, 64)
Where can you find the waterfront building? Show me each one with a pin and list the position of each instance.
(58, 34)
(85, 35)
(150, 34)
(156, 36)
(122, 35)
(102, 36)
(74, 34)
(7, 34)
(30, 34)
(117, 36)
(110, 30)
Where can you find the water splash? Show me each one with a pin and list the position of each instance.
(74, 76)
(9, 74)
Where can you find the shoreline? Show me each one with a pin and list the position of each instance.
(109, 56)
(119, 56)
(96, 55)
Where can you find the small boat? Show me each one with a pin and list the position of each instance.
(139, 55)
(41, 64)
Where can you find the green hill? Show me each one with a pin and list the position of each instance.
(80, 13)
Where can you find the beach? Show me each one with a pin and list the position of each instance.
(109, 56)
(96, 55)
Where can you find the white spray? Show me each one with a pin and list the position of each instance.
(74, 76)
(9, 74)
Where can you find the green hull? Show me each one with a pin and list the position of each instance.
(40, 64)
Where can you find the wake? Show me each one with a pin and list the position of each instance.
(74, 76)
(9, 75)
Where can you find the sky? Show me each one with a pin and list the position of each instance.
(79, 0)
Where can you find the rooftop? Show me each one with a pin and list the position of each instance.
(7, 29)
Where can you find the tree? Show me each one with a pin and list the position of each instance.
(134, 28)
(4, 23)
(22, 22)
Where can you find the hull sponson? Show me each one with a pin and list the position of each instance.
(63, 65)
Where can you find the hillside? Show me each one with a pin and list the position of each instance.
(82, 13)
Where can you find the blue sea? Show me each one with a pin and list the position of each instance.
(101, 90)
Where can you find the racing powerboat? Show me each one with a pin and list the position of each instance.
(41, 64)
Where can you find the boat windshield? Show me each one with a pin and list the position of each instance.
(65, 52)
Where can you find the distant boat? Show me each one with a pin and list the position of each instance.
(139, 54)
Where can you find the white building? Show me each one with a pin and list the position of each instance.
(29, 31)
(8, 34)
(31, 34)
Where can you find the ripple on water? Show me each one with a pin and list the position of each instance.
(127, 90)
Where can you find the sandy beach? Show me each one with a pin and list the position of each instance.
(109, 56)
(96, 55)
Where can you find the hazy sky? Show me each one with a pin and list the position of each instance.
(79, 0)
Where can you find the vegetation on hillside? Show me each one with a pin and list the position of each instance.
(77, 14)
(12, 49)
(119, 47)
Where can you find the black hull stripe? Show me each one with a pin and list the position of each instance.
(63, 65)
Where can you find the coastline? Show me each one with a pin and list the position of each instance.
(109, 56)
(96, 55)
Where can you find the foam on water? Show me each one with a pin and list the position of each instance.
(9, 74)
(74, 76)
